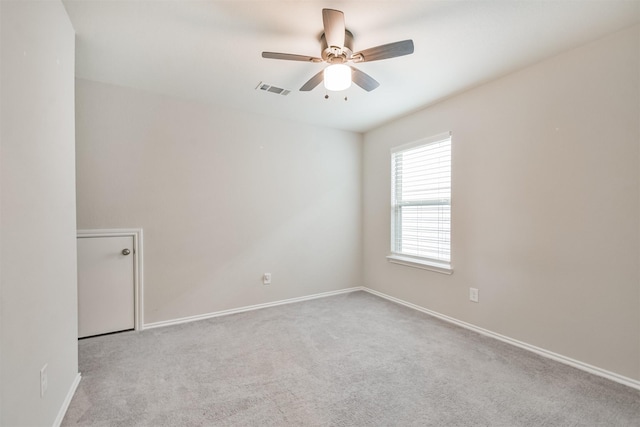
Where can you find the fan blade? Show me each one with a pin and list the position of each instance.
(313, 82)
(384, 51)
(364, 80)
(333, 21)
(290, 57)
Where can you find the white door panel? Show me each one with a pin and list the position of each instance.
(105, 285)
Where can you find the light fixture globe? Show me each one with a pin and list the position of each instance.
(337, 77)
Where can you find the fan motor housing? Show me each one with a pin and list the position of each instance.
(337, 54)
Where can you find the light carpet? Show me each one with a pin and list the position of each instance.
(348, 360)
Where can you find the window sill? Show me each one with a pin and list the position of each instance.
(421, 263)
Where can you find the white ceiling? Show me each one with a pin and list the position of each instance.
(210, 50)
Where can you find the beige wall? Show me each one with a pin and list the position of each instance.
(222, 196)
(38, 310)
(545, 205)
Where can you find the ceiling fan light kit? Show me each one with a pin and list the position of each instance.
(337, 77)
(337, 50)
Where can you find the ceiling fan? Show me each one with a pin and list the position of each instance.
(337, 50)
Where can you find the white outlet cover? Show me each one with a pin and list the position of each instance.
(44, 380)
(473, 294)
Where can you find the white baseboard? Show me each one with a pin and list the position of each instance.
(630, 382)
(67, 401)
(247, 308)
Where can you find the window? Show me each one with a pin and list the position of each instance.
(421, 204)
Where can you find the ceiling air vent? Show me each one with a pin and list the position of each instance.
(272, 89)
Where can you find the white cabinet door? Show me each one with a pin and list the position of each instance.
(105, 285)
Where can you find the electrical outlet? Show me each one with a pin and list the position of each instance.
(44, 380)
(266, 278)
(473, 294)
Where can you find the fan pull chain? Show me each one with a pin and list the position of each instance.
(326, 96)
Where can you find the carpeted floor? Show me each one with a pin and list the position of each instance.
(347, 360)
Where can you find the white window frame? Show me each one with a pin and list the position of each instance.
(440, 265)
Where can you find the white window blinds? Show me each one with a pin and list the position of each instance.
(421, 200)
